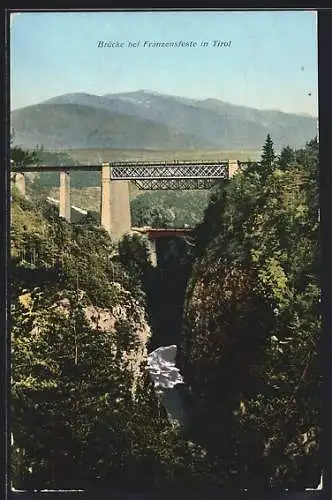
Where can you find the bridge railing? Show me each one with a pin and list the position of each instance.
(165, 163)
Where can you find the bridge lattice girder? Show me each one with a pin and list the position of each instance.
(175, 184)
(201, 175)
(154, 175)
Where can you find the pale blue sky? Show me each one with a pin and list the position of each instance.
(271, 62)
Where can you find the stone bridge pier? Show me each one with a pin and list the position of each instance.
(18, 180)
(64, 209)
(115, 205)
(233, 167)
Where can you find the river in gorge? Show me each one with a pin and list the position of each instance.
(168, 382)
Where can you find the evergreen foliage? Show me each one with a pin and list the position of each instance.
(268, 154)
(23, 157)
(81, 417)
(168, 209)
(252, 323)
(84, 410)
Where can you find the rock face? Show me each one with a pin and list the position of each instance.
(217, 314)
(249, 350)
(69, 355)
(83, 406)
(126, 311)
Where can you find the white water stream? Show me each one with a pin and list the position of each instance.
(166, 376)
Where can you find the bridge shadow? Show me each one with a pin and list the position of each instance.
(166, 296)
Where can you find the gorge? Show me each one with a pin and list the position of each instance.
(235, 318)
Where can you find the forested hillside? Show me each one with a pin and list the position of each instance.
(249, 347)
(242, 303)
(84, 412)
(178, 209)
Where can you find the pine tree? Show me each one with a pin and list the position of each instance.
(286, 157)
(23, 157)
(268, 154)
(254, 289)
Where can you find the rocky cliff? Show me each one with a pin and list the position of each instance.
(83, 406)
(249, 348)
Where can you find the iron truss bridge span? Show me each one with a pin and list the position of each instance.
(162, 176)
(178, 175)
(175, 184)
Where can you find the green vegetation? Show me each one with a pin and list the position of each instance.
(88, 198)
(22, 157)
(243, 304)
(268, 155)
(251, 324)
(84, 411)
(49, 180)
(177, 209)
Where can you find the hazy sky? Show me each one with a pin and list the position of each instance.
(271, 62)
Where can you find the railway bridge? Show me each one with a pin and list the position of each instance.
(115, 178)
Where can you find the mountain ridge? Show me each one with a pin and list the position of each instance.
(146, 119)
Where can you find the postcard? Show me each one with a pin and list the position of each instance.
(165, 251)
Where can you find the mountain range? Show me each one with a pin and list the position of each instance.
(148, 120)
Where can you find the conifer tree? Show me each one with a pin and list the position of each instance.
(23, 157)
(268, 154)
(286, 157)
